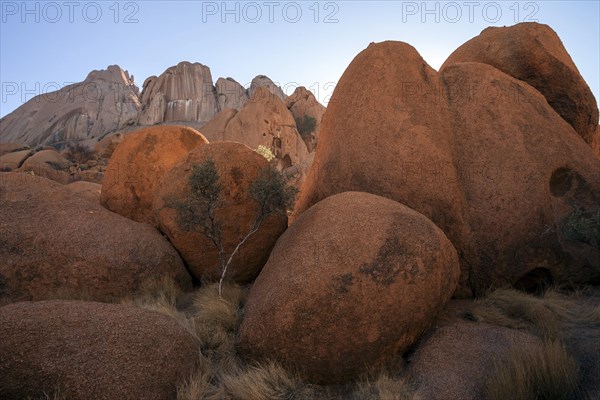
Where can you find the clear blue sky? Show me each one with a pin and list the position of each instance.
(48, 44)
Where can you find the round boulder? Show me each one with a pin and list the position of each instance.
(138, 163)
(56, 244)
(84, 350)
(237, 166)
(353, 282)
(534, 53)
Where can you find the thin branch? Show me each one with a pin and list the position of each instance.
(257, 223)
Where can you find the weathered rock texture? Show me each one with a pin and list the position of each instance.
(84, 350)
(264, 120)
(105, 101)
(137, 165)
(303, 104)
(237, 166)
(230, 94)
(56, 243)
(352, 283)
(496, 168)
(182, 93)
(534, 53)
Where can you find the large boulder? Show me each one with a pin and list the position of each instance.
(352, 283)
(534, 53)
(49, 164)
(6, 148)
(469, 157)
(182, 93)
(387, 132)
(138, 163)
(303, 105)
(524, 172)
(264, 120)
(55, 243)
(237, 166)
(14, 160)
(454, 362)
(85, 350)
(105, 101)
(50, 158)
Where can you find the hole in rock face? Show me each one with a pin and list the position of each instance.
(535, 281)
(286, 162)
(561, 181)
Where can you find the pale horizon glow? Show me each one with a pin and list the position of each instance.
(40, 49)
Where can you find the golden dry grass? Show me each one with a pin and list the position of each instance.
(567, 325)
(550, 316)
(544, 372)
(385, 387)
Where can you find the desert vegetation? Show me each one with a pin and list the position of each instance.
(199, 209)
(568, 324)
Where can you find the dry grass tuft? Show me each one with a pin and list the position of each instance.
(533, 373)
(550, 316)
(385, 387)
(265, 382)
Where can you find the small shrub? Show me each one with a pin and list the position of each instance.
(306, 125)
(582, 226)
(265, 152)
(197, 211)
(265, 382)
(536, 374)
(79, 154)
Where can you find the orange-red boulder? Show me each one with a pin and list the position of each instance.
(523, 172)
(138, 163)
(534, 53)
(6, 148)
(237, 166)
(388, 132)
(48, 164)
(55, 243)
(303, 104)
(478, 152)
(85, 350)
(455, 361)
(14, 160)
(352, 283)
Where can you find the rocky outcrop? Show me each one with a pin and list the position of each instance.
(237, 167)
(215, 129)
(84, 350)
(376, 119)
(265, 82)
(6, 148)
(308, 113)
(14, 160)
(504, 176)
(105, 101)
(264, 120)
(230, 94)
(534, 53)
(352, 283)
(48, 164)
(57, 243)
(184, 92)
(524, 173)
(137, 165)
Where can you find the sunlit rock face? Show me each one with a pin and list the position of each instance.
(182, 93)
(107, 100)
